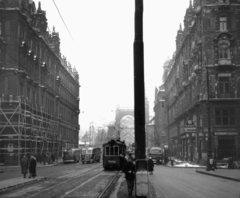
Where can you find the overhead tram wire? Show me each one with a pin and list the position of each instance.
(62, 19)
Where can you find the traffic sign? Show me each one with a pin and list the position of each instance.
(190, 126)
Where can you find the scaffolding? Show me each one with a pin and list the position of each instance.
(27, 129)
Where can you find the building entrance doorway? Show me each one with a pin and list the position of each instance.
(226, 147)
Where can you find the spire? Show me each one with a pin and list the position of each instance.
(53, 29)
(39, 6)
(190, 6)
(180, 28)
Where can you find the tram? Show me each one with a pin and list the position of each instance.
(114, 153)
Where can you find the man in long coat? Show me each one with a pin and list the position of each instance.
(32, 167)
(129, 170)
(24, 166)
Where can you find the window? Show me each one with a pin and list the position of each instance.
(109, 150)
(224, 84)
(223, 23)
(224, 51)
(21, 90)
(225, 116)
(28, 94)
(0, 57)
(33, 97)
(0, 26)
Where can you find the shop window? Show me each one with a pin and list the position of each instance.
(225, 116)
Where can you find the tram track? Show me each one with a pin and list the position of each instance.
(105, 192)
(65, 181)
(94, 182)
(110, 186)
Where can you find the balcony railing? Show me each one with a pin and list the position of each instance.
(224, 62)
(224, 95)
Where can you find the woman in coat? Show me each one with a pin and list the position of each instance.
(32, 167)
(150, 165)
(24, 166)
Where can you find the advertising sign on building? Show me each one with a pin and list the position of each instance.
(189, 127)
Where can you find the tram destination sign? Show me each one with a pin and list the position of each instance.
(225, 133)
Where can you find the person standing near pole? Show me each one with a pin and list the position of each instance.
(32, 167)
(24, 166)
(150, 165)
(129, 170)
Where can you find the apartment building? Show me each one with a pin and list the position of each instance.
(39, 89)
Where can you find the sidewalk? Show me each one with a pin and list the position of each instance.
(221, 171)
(121, 189)
(230, 174)
(18, 181)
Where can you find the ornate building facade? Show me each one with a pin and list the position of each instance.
(39, 90)
(202, 84)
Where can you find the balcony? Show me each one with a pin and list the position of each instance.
(224, 62)
(225, 95)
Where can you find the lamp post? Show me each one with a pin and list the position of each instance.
(209, 152)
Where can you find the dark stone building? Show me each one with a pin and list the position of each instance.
(39, 90)
(160, 118)
(202, 83)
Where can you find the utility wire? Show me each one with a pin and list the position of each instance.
(62, 19)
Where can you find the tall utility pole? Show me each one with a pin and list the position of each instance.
(139, 94)
(209, 152)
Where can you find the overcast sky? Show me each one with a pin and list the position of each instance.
(99, 43)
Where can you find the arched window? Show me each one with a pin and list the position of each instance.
(224, 50)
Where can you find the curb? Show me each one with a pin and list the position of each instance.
(21, 184)
(202, 167)
(220, 176)
(183, 167)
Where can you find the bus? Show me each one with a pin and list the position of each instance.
(156, 153)
(71, 155)
(91, 154)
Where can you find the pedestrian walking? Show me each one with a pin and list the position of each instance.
(150, 165)
(32, 167)
(24, 165)
(129, 170)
